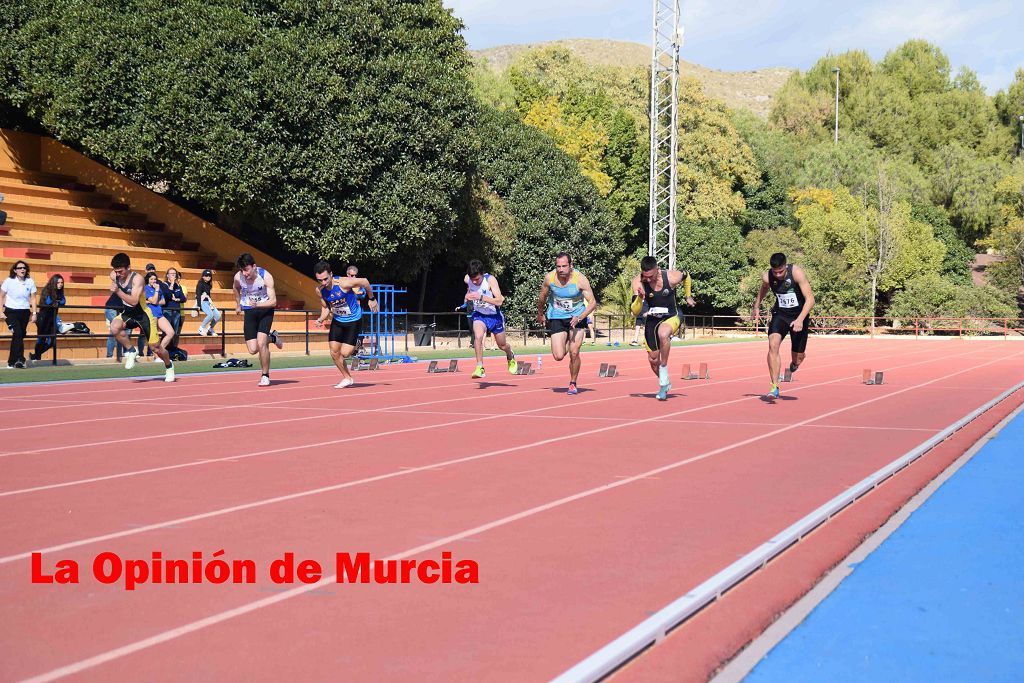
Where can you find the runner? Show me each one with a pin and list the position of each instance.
(484, 294)
(793, 302)
(256, 298)
(655, 288)
(567, 298)
(129, 287)
(340, 302)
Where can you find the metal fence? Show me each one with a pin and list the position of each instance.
(390, 334)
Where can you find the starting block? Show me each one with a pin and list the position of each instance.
(702, 372)
(786, 376)
(607, 370)
(433, 368)
(525, 369)
(364, 364)
(869, 377)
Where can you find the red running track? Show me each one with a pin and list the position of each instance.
(585, 514)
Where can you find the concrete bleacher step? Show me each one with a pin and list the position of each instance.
(12, 189)
(60, 224)
(42, 207)
(77, 253)
(37, 178)
(23, 229)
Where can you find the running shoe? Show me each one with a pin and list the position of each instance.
(572, 389)
(513, 365)
(129, 359)
(264, 381)
(479, 372)
(277, 340)
(634, 343)
(663, 392)
(345, 383)
(774, 393)
(169, 374)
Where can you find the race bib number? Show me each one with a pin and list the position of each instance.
(566, 305)
(657, 311)
(256, 298)
(787, 300)
(340, 308)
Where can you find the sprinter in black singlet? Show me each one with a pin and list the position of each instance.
(793, 302)
(656, 288)
(128, 286)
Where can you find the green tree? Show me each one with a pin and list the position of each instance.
(964, 184)
(956, 264)
(1008, 236)
(625, 162)
(490, 88)
(714, 161)
(800, 112)
(617, 297)
(930, 296)
(778, 157)
(582, 139)
(346, 127)
(919, 66)
(884, 246)
(712, 252)
(554, 207)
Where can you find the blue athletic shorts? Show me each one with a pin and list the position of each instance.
(495, 323)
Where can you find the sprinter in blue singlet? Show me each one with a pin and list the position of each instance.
(339, 301)
(483, 292)
(564, 303)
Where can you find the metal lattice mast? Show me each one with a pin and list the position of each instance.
(667, 40)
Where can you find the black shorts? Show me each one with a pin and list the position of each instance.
(651, 325)
(780, 325)
(137, 318)
(345, 333)
(257, 320)
(557, 325)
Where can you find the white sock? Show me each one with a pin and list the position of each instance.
(663, 375)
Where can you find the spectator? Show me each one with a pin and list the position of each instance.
(591, 331)
(175, 295)
(204, 303)
(50, 300)
(164, 297)
(18, 308)
(115, 306)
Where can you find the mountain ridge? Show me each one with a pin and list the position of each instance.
(751, 90)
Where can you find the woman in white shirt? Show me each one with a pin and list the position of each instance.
(18, 304)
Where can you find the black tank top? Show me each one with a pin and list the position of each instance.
(660, 304)
(789, 298)
(127, 289)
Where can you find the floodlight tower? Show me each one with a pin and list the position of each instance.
(667, 41)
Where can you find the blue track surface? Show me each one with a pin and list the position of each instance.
(942, 599)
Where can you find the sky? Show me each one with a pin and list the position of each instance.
(740, 35)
